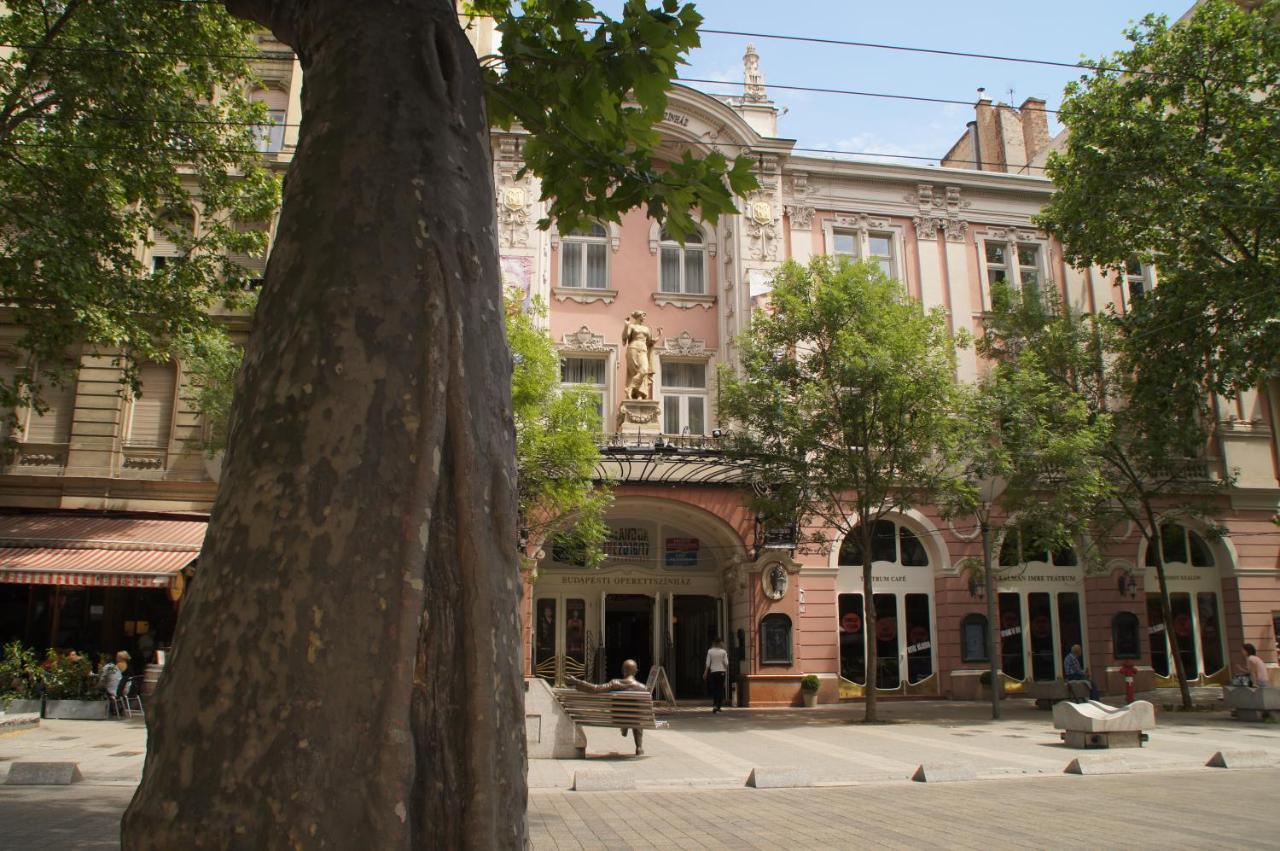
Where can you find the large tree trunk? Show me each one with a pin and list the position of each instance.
(347, 669)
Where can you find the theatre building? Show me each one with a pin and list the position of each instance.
(687, 561)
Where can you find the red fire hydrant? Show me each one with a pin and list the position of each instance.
(1129, 671)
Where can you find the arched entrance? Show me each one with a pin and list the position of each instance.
(659, 597)
(1195, 598)
(902, 595)
(1040, 605)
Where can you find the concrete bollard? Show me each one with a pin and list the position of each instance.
(44, 774)
(1241, 759)
(603, 780)
(943, 773)
(1097, 764)
(777, 777)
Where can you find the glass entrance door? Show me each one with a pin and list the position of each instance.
(693, 628)
(628, 626)
(1052, 627)
(903, 643)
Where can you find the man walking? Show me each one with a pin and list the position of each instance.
(714, 673)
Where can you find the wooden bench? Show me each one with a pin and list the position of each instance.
(1251, 704)
(628, 710)
(1048, 692)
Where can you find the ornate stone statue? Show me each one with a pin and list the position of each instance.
(639, 341)
(752, 76)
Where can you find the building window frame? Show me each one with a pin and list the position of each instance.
(777, 645)
(682, 395)
(594, 235)
(862, 230)
(1013, 266)
(1126, 623)
(1136, 280)
(968, 625)
(602, 389)
(683, 254)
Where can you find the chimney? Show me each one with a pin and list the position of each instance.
(1035, 127)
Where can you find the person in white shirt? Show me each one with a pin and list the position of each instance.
(716, 669)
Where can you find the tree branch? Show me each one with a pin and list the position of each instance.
(279, 16)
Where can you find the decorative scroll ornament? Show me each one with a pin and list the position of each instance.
(514, 210)
(939, 211)
(801, 216)
(584, 340)
(685, 346)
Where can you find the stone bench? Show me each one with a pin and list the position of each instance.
(1249, 703)
(1097, 725)
(1048, 692)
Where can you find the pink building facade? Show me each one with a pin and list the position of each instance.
(687, 562)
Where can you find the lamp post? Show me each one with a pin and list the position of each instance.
(991, 489)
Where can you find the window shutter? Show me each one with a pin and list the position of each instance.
(153, 410)
(54, 425)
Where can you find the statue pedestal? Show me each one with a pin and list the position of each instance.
(643, 416)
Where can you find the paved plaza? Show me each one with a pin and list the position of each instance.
(689, 786)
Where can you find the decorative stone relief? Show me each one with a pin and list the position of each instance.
(761, 219)
(685, 346)
(752, 76)
(514, 210)
(860, 222)
(583, 340)
(584, 295)
(801, 217)
(1015, 234)
(939, 211)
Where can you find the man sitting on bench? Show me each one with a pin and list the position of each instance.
(1073, 669)
(627, 682)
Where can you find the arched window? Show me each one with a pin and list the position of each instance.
(1019, 548)
(775, 640)
(1181, 546)
(890, 542)
(682, 266)
(584, 259)
(1126, 636)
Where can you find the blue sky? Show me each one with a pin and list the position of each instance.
(1061, 31)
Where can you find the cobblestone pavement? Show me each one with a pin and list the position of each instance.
(689, 785)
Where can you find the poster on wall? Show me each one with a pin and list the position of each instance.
(517, 273)
(681, 552)
(760, 288)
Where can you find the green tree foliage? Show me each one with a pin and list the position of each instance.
(1152, 451)
(590, 89)
(119, 120)
(556, 451)
(1172, 159)
(846, 404)
(1027, 455)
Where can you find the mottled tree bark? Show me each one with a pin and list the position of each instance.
(347, 670)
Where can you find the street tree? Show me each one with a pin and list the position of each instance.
(1153, 436)
(120, 124)
(1171, 159)
(347, 669)
(1026, 455)
(557, 453)
(845, 406)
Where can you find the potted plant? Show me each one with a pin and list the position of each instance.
(809, 689)
(20, 679)
(71, 690)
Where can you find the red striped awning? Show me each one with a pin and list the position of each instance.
(71, 548)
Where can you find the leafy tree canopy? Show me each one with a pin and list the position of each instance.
(590, 89)
(1172, 160)
(556, 451)
(120, 120)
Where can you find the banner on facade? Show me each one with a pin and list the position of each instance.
(83, 580)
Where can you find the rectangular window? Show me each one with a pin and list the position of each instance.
(584, 259)
(684, 398)
(1029, 266)
(1210, 634)
(54, 425)
(670, 270)
(1019, 264)
(1160, 662)
(1011, 659)
(152, 417)
(544, 638)
(853, 650)
(880, 252)
(1135, 279)
(844, 244)
(269, 138)
(997, 262)
(586, 374)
